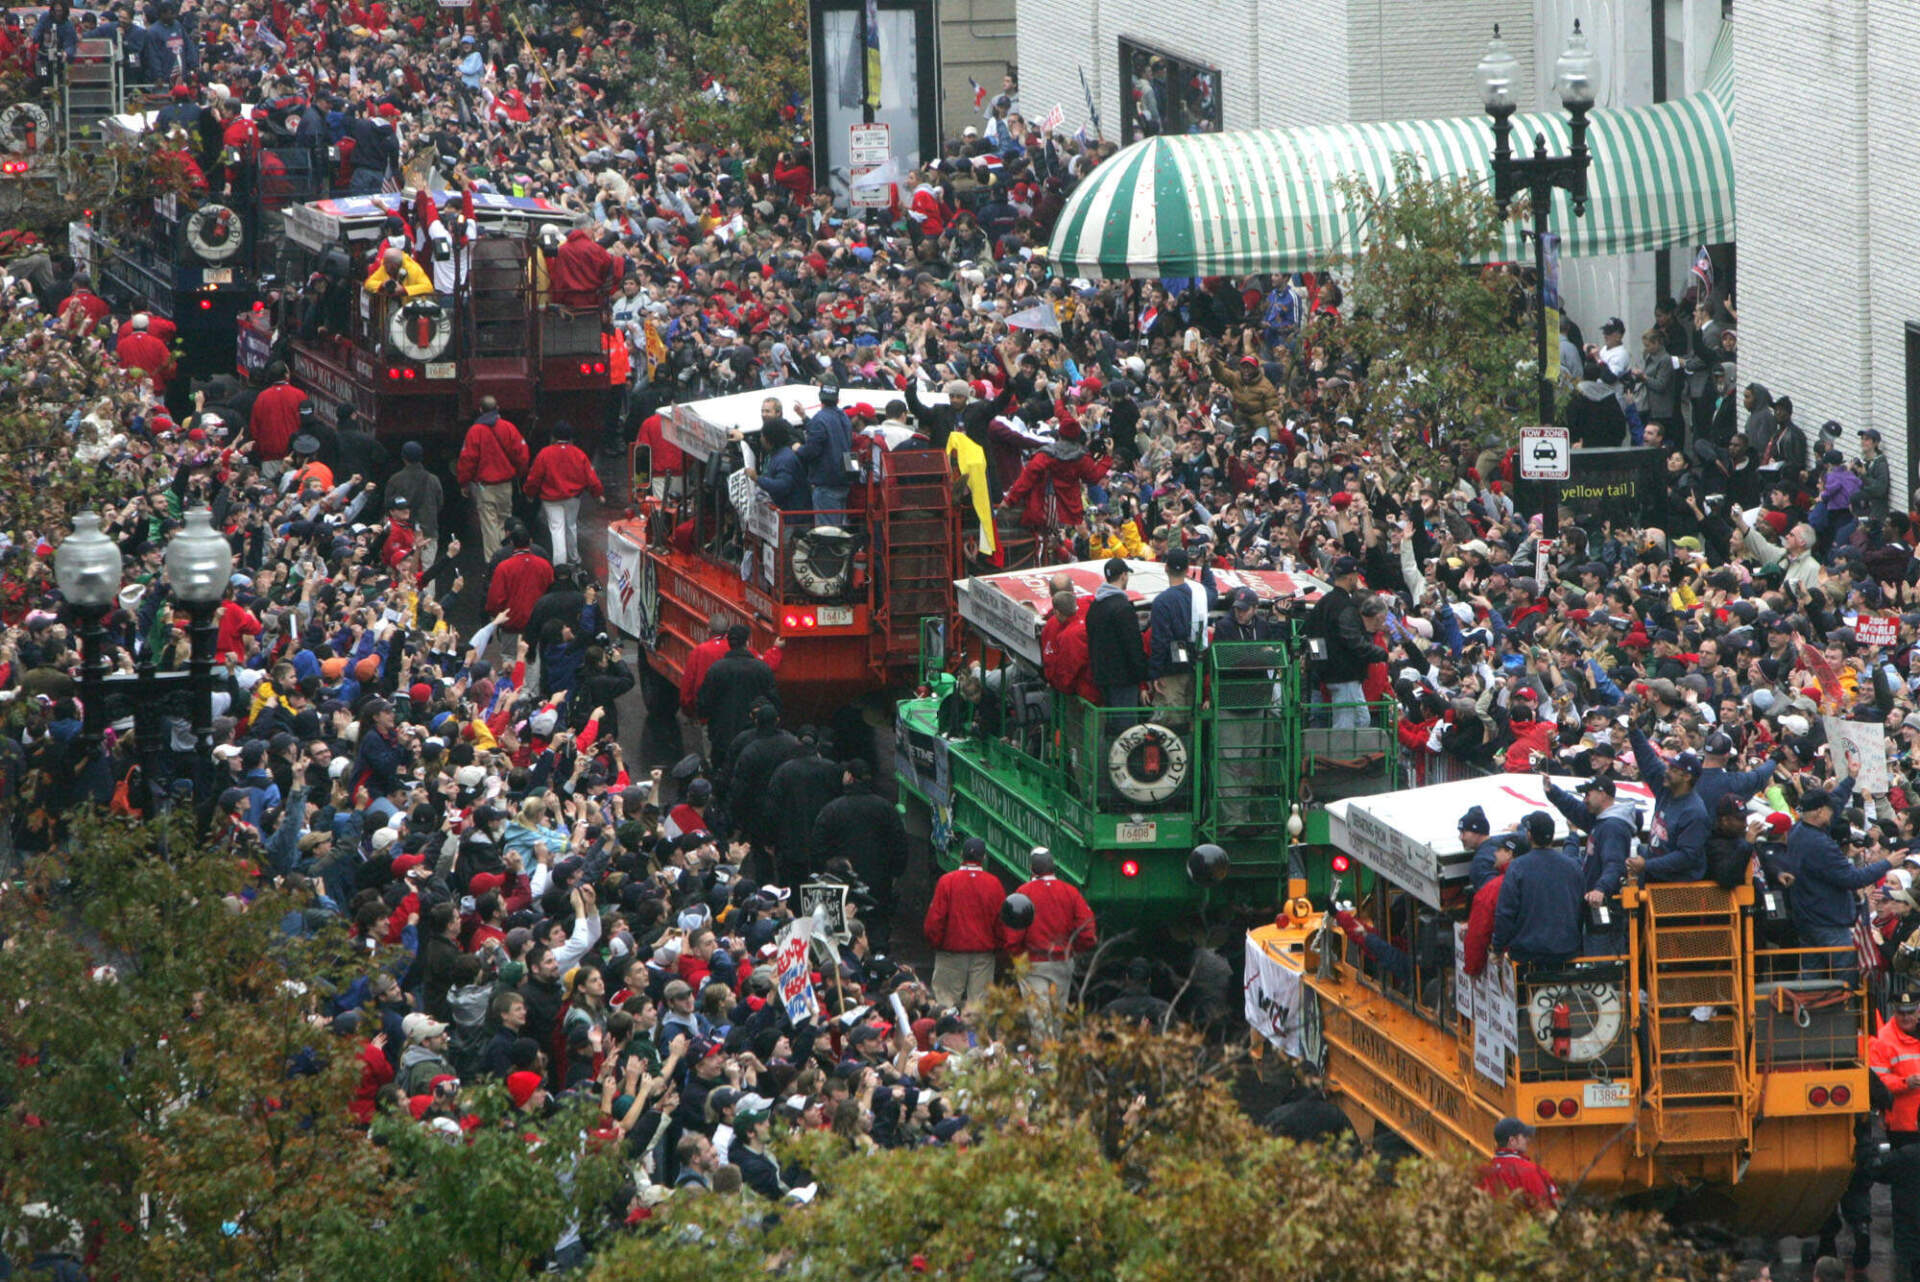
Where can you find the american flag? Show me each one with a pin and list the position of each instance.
(390, 185)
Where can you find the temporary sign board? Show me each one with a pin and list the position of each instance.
(1009, 609)
(1546, 454)
(869, 147)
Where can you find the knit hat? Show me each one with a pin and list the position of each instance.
(521, 1086)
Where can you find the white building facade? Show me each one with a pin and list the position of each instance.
(1306, 62)
(1829, 289)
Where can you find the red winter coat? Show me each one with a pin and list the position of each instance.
(275, 420)
(1514, 1173)
(1529, 737)
(375, 1072)
(1064, 655)
(1050, 485)
(668, 459)
(493, 453)
(1062, 922)
(562, 471)
(583, 274)
(145, 352)
(797, 179)
(518, 584)
(1473, 958)
(236, 621)
(965, 914)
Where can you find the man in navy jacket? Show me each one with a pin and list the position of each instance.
(1537, 918)
(1680, 820)
(1822, 895)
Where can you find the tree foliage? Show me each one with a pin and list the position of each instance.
(183, 1113)
(1445, 340)
(724, 71)
(1126, 1158)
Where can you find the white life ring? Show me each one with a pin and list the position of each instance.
(1147, 763)
(1595, 1005)
(25, 126)
(823, 561)
(214, 233)
(420, 330)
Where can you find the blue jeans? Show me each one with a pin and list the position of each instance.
(1353, 716)
(827, 499)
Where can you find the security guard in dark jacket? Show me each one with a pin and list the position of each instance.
(863, 828)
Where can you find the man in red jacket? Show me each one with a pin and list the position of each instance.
(1063, 649)
(582, 273)
(561, 473)
(963, 925)
(492, 458)
(519, 582)
(1050, 483)
(1512, 1171)
(142, 351)
(275, 421)
(1061, 929)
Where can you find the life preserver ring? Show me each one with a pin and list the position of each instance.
(25, 126)
(823, 561)
(421, 330)
(1595, 1017)
(214, 233)
(1147, 763)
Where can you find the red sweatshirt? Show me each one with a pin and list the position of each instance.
(562, 471)
(1062, 922)
(965, 914)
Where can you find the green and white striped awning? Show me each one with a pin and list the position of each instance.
(1266, 200)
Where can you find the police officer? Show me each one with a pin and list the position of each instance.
(1894, 1057)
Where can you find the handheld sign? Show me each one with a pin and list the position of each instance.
(827, 899)
(793, 970)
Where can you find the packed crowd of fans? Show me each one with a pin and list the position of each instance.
(571, 922)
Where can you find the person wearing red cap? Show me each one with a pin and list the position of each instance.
(528, 1092)
(1254, 395)
(1051, 484)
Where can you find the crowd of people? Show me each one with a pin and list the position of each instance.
(430, 743)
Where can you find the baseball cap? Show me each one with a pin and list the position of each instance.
(1719, 743)
(1345, 565)
(1815, 799)
(1907, 999)
(1599, 783)
(1475, 820)
(1507, 1129)
(1686, 763)
(1177, 559)
(418, 1027)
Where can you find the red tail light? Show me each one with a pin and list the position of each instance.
(259, 306)
(585, 368)
(1545, 1109)
(1818, 1096)
(393, 373)
(406, 373)
(13, 167)
(599, 367)
(1569, 1107)
(800, 619)
(1129, 868)
(1840, 1096)
(1341, 863)
(206, 304)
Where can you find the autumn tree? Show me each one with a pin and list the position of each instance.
(176, 1099)
(1442, 338)
(1120, 1154)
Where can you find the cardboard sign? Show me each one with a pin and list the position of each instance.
(793, 970)
(829, 900)
(1877, 629)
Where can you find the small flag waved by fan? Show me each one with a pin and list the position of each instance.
(1703, 270)
(1039, 316)
(389, 185)
(1053, 119)
(979, 94)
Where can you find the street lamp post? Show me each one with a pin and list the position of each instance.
(1539, 176)
(87, 567)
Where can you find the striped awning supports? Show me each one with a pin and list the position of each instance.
(1268, 200)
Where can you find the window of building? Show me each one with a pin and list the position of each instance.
(1162, 93)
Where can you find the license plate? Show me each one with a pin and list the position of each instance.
(836, 616)
(440, 369)
(1605, 1095)
(217, 275)
(1136, 834)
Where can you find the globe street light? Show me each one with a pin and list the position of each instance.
(87, 567)
(1539, 176)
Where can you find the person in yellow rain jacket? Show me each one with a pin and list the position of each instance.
(398, 276)
(1112, 537)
